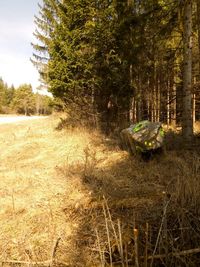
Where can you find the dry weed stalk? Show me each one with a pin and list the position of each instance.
(90, 162)
(29, 256)
(136, 247)
(146, 245)
(101, 253)
(118, 238)
(112, 223)
(54, 250)
(120, 242)
(168, 198)
(108, 235)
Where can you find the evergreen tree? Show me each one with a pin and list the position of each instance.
(6, 95)
(2, 94)
(9, 94)
(45, 22)
(24, 100)
(115, 60)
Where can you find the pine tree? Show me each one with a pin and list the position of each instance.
(45, 22)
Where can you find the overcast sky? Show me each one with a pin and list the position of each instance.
(16, 34)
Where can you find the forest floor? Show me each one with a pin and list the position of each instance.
(74, 198)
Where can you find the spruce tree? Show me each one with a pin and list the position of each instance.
(123, 54)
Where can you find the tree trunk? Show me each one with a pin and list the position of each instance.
(194, 109)
(198, 30)
(174, 105)
(37, 104)
(158, 101)
(168, 104)
(132, 100)
(187, 125)
(139, 100)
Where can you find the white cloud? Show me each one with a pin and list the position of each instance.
(15, 53)
(18, 70)
(16, 34)
(12, 30)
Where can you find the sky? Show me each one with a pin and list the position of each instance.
(16, 34)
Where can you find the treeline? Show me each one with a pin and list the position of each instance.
(22, 100)
(121, 61)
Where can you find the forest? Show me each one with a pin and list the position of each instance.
(22, 100)
(140, 56)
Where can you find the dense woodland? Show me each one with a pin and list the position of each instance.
(121, 61)
(22, 100)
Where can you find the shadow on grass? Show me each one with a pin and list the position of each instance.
(174, 141)
(158, 197)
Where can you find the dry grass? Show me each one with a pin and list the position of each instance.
(78, 186)
(32, 187)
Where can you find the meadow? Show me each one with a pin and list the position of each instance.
(73, 197)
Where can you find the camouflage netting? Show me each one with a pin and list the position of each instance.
(143, 136)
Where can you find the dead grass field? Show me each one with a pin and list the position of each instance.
(32, 187)
(63, 193)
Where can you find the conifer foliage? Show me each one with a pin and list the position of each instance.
(118, 61)
(23, 100)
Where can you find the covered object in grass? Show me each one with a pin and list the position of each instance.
(143, 136)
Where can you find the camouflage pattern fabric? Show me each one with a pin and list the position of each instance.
(143, 136)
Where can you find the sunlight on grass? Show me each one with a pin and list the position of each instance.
(32, 188)
(54, 183)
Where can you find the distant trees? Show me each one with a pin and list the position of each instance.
(6, 96)
(22, 100)
(2, 94)
(43, 104)
(133, 52)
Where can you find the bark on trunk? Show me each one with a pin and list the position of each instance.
(174, 106)
(187, 125)
(198, 29)
(194, 109)
(168, 104)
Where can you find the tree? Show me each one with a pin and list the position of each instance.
(6, 95)
(187, 126)
(126, 52)
(24, 101)
(2, 94)
(9, 94)
(44, 104)
(45, 22)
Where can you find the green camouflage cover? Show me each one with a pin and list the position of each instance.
(143, 136)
